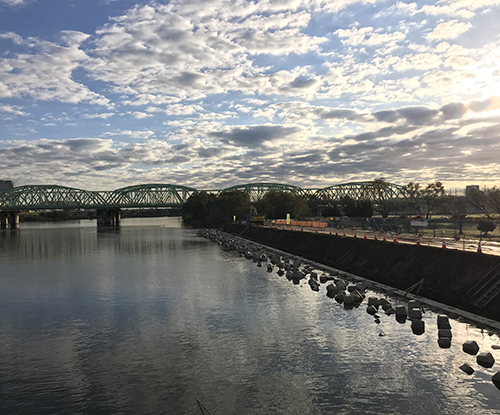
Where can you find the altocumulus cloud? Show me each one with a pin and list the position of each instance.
(212, 93)
(253, 136)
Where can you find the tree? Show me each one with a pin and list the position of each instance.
(229, 204)
(276, 205)
(331, 210)
(314, 203)
(459, 213)
(435, 199)
(486, 200)
(197, 209)
(205, 209)
(322, 207)
(413, 195)
(485, 226)
(478, 199)
(383, 203)
(429, 200)
(361, 208)
(493, 198)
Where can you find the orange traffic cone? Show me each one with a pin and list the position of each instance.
(395, 239)
(418, 241)
(479, 250)
(330, 232)
(343, 234)
(384, 238)
(355, 234)
(375, 238)
(365, 236)
(316, 230)
(443, 245)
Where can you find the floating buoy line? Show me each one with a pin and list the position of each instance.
(350, 291)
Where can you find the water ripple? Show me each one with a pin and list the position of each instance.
(149, 319)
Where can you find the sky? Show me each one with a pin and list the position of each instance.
(102, 94)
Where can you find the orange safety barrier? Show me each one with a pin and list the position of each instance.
(304, 223)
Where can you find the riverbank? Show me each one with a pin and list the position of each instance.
(448, 275)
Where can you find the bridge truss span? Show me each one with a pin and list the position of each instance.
(257, 190)
(39, 197)
(374, 191)
(152, 195)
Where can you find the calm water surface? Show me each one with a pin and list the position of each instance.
(147, 319)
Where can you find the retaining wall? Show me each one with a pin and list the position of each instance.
(448, 274)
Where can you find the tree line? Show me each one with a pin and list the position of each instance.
(206, 209)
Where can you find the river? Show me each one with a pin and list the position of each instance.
(151, 317)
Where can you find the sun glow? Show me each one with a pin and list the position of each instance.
(486, 82)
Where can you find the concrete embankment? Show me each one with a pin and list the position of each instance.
(449, 275)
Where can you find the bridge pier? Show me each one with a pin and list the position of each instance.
(9, 221)
(14, 220)
(108, 217)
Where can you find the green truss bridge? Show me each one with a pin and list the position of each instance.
(60, 197)
(108, 203)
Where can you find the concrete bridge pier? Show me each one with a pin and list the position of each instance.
(108, 217)
(14, 220)
(9, 221)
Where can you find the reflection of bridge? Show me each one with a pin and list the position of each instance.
(108, 203)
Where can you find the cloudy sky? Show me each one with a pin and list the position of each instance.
(101, 94)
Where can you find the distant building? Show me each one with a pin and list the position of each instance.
(470, 187)
(7, 184)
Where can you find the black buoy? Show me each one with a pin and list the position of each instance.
(470, 347)
(485, 359)
(339, 297)
(418, 327)
(467, 369)
(444, 342)
(496, 379)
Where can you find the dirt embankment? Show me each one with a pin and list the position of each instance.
(448, 275)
